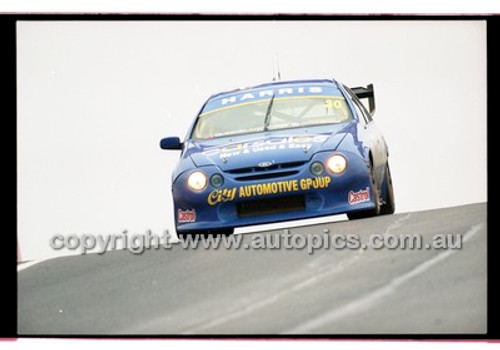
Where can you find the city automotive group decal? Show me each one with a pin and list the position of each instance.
(289, 186)
(359, 197)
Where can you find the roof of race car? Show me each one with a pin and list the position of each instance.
(311, 87)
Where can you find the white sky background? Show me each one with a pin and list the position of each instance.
(95, 98)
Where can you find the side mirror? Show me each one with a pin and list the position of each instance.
(171, 143)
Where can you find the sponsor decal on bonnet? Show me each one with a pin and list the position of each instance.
(271, 144)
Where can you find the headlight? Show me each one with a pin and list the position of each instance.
(336, 164)
(197, 181)
(317, 168)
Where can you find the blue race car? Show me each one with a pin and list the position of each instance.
(280, 151)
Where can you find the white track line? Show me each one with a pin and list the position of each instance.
(397, 223)
(368, 300)
(25, 265)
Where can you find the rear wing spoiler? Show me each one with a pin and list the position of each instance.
(366, 92)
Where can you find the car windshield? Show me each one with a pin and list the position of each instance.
(271, 114)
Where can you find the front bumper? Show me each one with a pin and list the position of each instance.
(297, 195)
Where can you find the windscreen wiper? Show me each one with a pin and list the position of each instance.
(267, 119)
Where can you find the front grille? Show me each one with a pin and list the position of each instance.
(270, 206)
(257, 169)
(265, 176)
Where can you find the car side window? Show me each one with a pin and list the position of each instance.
(360, 108)
(367, 114)
(359, 112)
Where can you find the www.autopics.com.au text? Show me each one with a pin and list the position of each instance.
(138, 243)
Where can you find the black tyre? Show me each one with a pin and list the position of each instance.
(388, 206)
(376, 198)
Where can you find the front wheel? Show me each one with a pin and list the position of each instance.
(388, 205)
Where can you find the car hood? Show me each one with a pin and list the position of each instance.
(266, 149)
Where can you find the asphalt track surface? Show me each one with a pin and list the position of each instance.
(276, 291)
